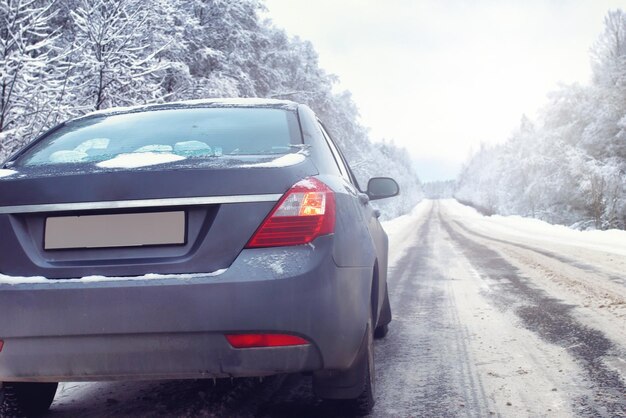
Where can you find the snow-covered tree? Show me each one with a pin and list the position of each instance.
(570, 167)
(27, 58)
(224, 42)
(609, 52)
(68, 57)
(117, 62)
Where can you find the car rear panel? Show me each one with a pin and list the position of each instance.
(238, 201)
(160, 328)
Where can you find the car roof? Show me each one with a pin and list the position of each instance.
(189, 104)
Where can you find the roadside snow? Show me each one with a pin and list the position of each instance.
(613, 241)
(140, 159)
(283, 161)
(583, 269)
(14, 280)
(474, 357)
(507, 357)
(401, 230)
(6, 172)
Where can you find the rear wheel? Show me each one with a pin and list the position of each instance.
(381, 331)
(28, 399)
(352, 389)
(364, 403)
(382, 327)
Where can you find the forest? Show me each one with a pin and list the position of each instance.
(569, 166)
(61, 59)
(64, 58)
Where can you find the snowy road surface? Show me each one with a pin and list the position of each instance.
(497, 316)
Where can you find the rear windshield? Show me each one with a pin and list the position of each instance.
(171, 134)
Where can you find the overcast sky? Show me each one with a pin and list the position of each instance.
(440, 76)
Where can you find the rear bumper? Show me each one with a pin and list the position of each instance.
(174, 328)
(146, 357)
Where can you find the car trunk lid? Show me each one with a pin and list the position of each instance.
(218, 205)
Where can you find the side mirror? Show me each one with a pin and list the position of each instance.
(382, 187)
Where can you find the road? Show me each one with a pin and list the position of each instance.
(486, 323)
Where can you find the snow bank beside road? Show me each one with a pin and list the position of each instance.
(401, 230)
(612, 241)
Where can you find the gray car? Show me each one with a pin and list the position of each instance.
(195, 239)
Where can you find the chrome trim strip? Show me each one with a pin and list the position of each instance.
(143, 203)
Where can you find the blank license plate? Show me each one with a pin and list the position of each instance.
(121, 230)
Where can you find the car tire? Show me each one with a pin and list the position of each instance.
(381, 331)
(28, 399)
(382, 328)
(364, 403)
(351, 390)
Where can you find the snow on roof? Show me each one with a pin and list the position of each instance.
(225, 102)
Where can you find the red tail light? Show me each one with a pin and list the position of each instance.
(304, 213)
(1, 344)
(264, 340)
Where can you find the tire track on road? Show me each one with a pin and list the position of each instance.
(424, 367)
(552, 320)
(566, 260)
